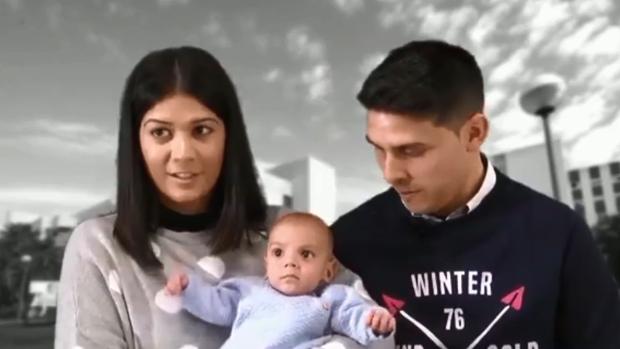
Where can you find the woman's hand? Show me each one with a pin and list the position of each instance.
(177, 282)
(381, 321)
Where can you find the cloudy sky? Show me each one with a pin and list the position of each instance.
(297, 66)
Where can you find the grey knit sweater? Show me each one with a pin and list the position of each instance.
(107, 301)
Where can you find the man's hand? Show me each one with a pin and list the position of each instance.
(381, 321)
(177, 282)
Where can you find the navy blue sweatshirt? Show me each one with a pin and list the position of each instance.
(521, 271)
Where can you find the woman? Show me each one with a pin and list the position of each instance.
(187, 192)
(187, 196)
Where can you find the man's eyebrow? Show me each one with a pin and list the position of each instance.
(399, 146)
(369, 141)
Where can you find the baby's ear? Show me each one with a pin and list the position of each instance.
(330, 270)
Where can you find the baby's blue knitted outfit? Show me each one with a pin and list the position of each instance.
(261, 317)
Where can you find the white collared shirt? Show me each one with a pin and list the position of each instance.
(487, 185)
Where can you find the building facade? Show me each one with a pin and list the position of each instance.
(594, 192)
(529, 165)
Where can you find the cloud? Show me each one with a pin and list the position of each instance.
(317, 80)
(335, 133)
(112, 51)
(315, 76)
(273, 75)
(213, 30)
(512, 67)
(353, 191)
(420, 17)
(169, 3)
(395, 12)
(574, 43)
(514, 141)
(300, 44)
(493, 99)
(14, 5)
(370, 62)
(540, 19)
(514, 121)
(579, 116)
(62, 137)
(348, 7)
(118, 8)
(65, 197)
(282, 132)
(593, 7)
(450, 23)
(313, 83)
(59, 127)
(53, 13)
(600, 145)
(251, 31)
(488, 22)
(605, 43)
(608, 77)
(262, 41)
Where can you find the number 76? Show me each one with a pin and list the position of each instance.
(454, 315)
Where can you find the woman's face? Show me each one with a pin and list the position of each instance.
(182, 142)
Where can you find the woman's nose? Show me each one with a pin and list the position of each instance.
(182, 148)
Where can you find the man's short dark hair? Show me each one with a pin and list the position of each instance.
(429, 78)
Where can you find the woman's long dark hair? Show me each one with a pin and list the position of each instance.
(236, 199)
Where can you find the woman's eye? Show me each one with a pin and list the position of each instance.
(160, 133)
(203, 130)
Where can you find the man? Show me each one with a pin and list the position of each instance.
(464, 256)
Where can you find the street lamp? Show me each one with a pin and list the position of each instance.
(23, 289)
(541, 100)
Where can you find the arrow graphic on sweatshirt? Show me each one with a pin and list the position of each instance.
(394, 306)
(514, 300)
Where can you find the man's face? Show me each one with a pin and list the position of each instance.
(428, 165)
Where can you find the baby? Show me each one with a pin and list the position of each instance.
(294, 306)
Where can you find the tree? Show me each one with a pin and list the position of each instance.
(607, 232)
(16, 241)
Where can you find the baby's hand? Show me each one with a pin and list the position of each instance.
(177, 282)
(381, 321)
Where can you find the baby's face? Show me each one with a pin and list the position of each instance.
(298, 257)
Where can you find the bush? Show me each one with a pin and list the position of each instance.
(607, 232)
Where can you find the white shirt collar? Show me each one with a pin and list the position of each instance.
(485, 188)
(487, 185)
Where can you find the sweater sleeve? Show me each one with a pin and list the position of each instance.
(349, 312)
(87, 315)
(348, 278)
(589, 305)
(215, 304)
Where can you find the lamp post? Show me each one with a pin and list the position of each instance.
(26, 259)
(542, 100)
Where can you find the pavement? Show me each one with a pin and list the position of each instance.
(14, 335)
